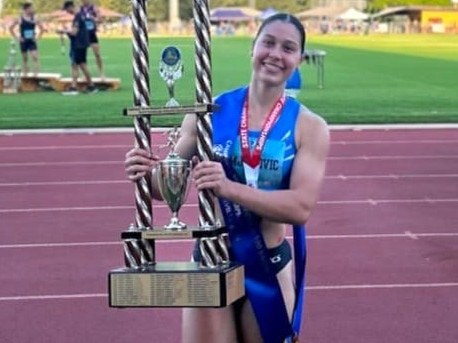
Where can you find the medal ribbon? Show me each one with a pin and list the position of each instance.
(251, 161)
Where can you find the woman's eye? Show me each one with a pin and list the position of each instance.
(289, 49)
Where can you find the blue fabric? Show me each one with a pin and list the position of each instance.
(280, 147)
(247, 243)
(294, 81)
(89, 14)
(81, 39)
(27, 28)
(261, 285)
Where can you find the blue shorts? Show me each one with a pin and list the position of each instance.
(78, 55)
(92, 34)
(28, 45)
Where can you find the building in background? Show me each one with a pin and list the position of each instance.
(341, 4)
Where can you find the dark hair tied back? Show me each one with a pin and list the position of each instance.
(285, 18)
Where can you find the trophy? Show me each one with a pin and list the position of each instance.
(171, 69)
(11, 72)
(214, 280)
(173, 181)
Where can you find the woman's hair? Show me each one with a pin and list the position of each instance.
(285, 18)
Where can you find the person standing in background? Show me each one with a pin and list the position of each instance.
(79, 42)
(92, 17)
(28, 36)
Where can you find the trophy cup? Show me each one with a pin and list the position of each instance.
(170, 70)
(173, 181)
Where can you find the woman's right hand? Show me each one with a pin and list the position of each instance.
(138, 162)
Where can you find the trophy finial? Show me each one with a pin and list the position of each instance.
(172, 138)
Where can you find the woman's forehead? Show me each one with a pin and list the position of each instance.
(280, 29)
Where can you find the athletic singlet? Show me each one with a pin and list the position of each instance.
(279, 151)
(27, 28)
(89, 15)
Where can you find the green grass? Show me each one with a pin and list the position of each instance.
(368, 79)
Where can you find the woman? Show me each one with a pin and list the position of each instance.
(277, 182)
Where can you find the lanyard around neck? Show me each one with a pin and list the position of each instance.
(251, 161)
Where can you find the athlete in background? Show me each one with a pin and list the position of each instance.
(28, 36)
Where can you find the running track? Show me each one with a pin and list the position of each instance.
(383, 242)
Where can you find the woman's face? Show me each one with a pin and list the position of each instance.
(277, 52)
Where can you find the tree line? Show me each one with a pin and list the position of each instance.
(158, 9)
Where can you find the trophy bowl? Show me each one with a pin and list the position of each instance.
(173, 178)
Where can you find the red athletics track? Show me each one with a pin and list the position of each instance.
(383, 242)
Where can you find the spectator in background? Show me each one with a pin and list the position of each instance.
(28, 36)
(92, 17)
(294, 84)
(79, 42)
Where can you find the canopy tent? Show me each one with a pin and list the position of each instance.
(320, 12)
(353, 14)
(389, 11)
(267, 13)
(235, 14)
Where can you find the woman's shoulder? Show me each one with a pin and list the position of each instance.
(238, 92)
(312, 125)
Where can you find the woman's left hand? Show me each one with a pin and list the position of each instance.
(210, 175)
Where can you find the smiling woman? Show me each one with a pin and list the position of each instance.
(270, 162)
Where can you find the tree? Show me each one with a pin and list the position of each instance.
(376, 5)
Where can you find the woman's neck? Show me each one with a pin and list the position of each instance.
(261, 98)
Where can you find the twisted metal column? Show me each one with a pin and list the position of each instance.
(142, 250)
(213, 250)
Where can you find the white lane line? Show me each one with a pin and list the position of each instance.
(67, 147)
(330, 177)
(335, 127)
(373, 202)
(59, 245)
(411, 235)
(399, 141)
(127, 146)
(53, 164)
(391, 176)
(394, 157)
(54, 297)
(308, 288)
(382, 286)
(407, 234)
(332, 158)
(63, 183)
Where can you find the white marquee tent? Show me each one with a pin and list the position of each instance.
(352, 14)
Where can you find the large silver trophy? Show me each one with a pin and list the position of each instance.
(173, 180)
(214, 280)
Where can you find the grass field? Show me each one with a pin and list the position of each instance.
(368, 79)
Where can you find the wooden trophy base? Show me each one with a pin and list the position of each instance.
(176, 284)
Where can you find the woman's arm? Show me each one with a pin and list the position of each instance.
(293, 205)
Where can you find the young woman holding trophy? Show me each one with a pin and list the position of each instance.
(270, 163)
